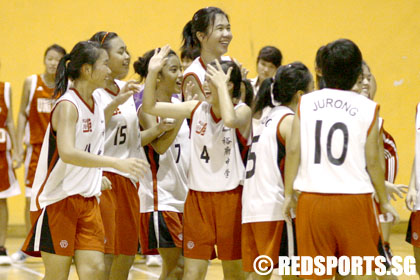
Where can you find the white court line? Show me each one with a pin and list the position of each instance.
(145, 272)
(28, 270)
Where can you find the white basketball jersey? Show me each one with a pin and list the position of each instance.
(417, 158)
(217, 152)
(259, 124)
(197, 69)
(122, 136)
(334, 125)
(56, 180)
(263, 194)
(167, 189)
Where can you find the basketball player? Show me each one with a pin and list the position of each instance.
(163, 197)
(263, 227)
(119, 205)
(9, 157)
(209, 31)
(68, 179)
(220, 134)
(334, 146)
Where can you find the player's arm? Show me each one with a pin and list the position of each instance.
(161, 142)
(163, 109)
(22, 118)
(375, 170)
(64, 121)
(17, 149)
(291, 166)
(234, 118)
(411, 198)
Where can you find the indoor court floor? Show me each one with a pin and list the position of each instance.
(33, 269)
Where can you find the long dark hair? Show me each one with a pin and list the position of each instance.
(201, 21)
(288, 80)
(70, 64)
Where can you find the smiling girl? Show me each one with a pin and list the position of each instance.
(220, 135)
(68, 179)
(162, 198)
(208, 30)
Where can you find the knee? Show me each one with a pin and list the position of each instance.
(193, 273)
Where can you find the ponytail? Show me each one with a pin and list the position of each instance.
(61, 77)
(263, 98)
(249, 92)
(187, 37)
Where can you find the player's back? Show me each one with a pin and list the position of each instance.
(334, 126)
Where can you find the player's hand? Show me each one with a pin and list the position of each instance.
(244, 71)
(106, 184)
(288, 204)
(133, 166)
(130, 88)
(159, 59)
(217, 76)
(395, 189)
(411, 199)
(188, 92)
(387, 208)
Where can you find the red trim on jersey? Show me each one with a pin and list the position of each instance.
(202, 63)
(92, 109)
(113, 93)
(244, 142)
(281, 139)
(375, 116)
(192, 115)
(196, 79)
(215, 119)
(391, 157)
(50, 168)
(154, 176)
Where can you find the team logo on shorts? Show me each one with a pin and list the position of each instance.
(105, 240)
(415, 236)
(190, 245)
(64, 244)
(180, 237)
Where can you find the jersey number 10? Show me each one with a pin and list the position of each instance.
(337, 126)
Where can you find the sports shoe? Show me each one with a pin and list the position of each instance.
(153, 260)
(4, 258)
(19, 257)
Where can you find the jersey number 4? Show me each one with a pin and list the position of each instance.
(337, 126)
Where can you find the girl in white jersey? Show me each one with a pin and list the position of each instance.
(119, 205)
(332, 159)
(220, 133)
(68, 178)
(263, 227)
(208, 30)
(162, 198)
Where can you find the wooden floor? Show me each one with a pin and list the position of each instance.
(33, 269)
